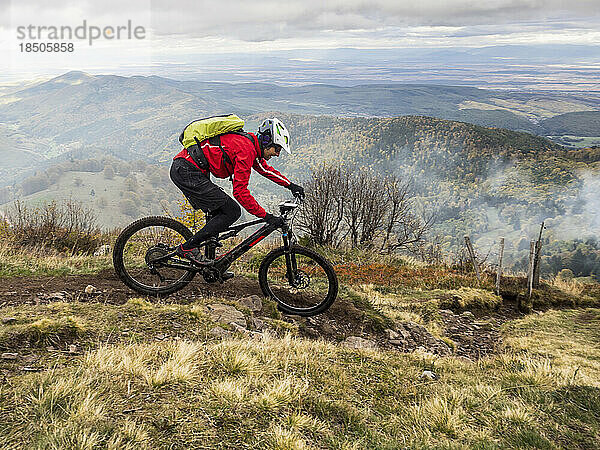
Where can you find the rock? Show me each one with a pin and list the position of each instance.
(103, 250)
(9, 320)
(239, 328)
(463, 359)
(311, 333)
(410, 343)
(484, 325)
(227, 314)
(358, 342)
(89, 289)
(428, 375)
(410, 326)
(467, 315)
(326, 328)
(392, 335)
(253, 303)
(403, 332)
(219, 332)
(313, 320)
(258, 324)
(442, 350)
(397, 342)
(9, 356)
(28, 359)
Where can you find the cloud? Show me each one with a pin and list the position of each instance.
(266, 20)
(179, 31)
(269, 20)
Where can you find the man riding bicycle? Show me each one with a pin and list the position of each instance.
(232, 155)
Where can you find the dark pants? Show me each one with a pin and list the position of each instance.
(205, 195)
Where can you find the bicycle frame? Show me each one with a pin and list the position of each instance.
(222, 263)
(225, 260)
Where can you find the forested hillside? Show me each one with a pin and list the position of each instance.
(582, 123)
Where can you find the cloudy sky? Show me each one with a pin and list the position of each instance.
(175, 31)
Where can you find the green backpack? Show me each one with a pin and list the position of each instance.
(201, 129)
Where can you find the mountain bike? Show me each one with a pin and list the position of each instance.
(300, 280)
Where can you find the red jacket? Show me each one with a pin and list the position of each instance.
(245, 156)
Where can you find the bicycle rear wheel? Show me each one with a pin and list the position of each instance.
(137, 253)
(309, 289)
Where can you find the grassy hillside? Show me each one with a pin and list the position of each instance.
(117, 201)
(105, 369)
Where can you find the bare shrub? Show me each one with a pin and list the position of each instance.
(322, 217)
(362, 208)
(66, 226)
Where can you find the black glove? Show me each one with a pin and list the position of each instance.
(274, 220)
(297, 190)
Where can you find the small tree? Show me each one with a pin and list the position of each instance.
(361, 207)
(109, 172)
(190, 217)
(128, 207)
(321, 217)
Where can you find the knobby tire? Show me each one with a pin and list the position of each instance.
(322, 304)
(127, 233)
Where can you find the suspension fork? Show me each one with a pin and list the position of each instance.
(290, 258)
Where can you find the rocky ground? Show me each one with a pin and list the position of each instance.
(473, 336)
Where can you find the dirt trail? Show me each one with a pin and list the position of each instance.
(39, 290)
(341, 320)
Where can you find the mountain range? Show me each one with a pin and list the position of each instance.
(77, 114)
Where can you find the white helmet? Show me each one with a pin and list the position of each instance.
(273, 131)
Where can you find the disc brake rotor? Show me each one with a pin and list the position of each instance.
(301, 280)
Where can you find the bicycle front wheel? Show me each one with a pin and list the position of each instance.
(301, 281)
(139, 252)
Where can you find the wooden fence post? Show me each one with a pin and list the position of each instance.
(530, 270)
(499, 275)
(537, 259)
(472, 255)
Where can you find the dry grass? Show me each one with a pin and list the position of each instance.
(190, 390)
(471, 298)
(291, 393)
(569, 286)
(43, 331)
(46, 261)
(567, 339)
